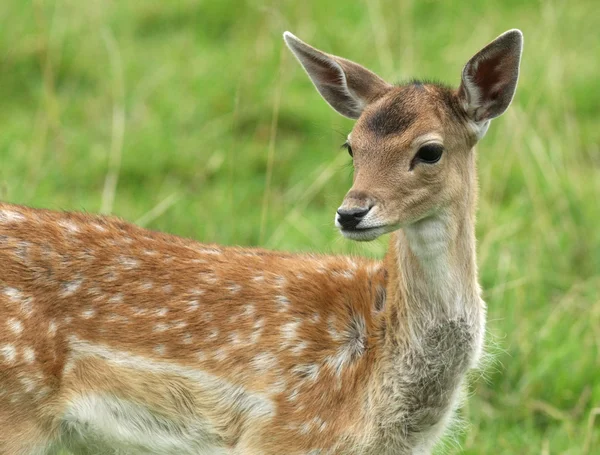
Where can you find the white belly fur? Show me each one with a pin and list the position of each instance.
(106, 424)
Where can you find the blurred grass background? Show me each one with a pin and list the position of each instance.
(191, 117)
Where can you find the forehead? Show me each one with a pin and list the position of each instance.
(416, 108)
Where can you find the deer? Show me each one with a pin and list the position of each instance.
(119, 340)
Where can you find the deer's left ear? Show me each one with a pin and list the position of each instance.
(489, 79)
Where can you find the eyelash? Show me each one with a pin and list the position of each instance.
(347, 146)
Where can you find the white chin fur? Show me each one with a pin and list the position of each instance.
(364, 235)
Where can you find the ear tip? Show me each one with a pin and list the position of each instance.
(514, 34)
(289, 37)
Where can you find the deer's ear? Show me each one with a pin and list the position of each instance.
(489, 79)
(346, 86)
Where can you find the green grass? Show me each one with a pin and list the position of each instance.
(174, 114)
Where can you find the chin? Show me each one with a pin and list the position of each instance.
(365, 235)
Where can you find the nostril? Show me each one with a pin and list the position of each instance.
(361, 214)
(355, 212)
(349, 218)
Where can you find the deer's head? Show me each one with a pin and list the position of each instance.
(412, 145)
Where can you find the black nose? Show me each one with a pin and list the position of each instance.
(349, 218)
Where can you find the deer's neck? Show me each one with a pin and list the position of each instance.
(434, 322)
(433, 273)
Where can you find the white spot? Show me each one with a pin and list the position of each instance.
(15, 325)
(179, 325)
(29, 355)
(28, 383)
(139, 311)
(9, 353)
(160, 349)
(193, 305)
(69, 225)
(167, 288)
(293, 396)
(88, 314)
(214, 333)
(162, 312)
(259, 278)
(16, 296)
(129, 263)
(258, 328)
(333, 333)
(117, 298)
(10, 216)
(208, 316)
(187, 339)
(52, 328)
(280, 281)
(111, 275)
(26, 305)
(42, 392)
(283, 302)
(248, 310)
(220, 354)
(209, 250)
(319, 423)
(70, 287)
(150, 253)
(114, 317)
(305, 428)
(210, 278)
(299, 348)
(98, 227)
(289, 331)
(235, 338)
(264, 362)
(374, 269)
(344, 274)
(161, 327)
(234, 288)
(13, 294)
(21, 250)
(146, 285)
(68, 320)
(351, 263)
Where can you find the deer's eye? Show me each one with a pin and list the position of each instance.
(429, 153)
(348, 148)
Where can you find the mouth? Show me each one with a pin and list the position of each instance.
(366, 234)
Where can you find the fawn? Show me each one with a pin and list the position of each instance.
(116, 339)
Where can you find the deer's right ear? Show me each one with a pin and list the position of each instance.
(347, 86)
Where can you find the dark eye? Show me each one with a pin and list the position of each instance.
(430, 153)
(347, 147)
